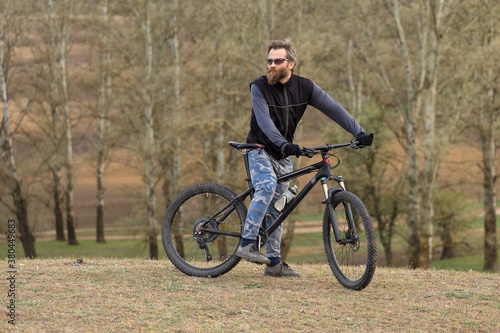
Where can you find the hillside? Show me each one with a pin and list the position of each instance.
(136, 295)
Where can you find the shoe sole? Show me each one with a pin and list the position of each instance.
(254, 259)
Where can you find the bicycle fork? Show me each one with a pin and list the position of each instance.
(329, 193)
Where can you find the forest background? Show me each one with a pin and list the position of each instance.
(129, 102)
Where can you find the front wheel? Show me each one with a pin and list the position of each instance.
(352, 257)
(198, 242)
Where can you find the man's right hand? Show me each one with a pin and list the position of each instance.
(289, 149)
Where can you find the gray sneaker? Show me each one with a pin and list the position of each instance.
(281, 269)
(250, 252)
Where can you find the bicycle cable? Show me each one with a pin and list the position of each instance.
(353, 145)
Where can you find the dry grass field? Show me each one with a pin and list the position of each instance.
(138, 295)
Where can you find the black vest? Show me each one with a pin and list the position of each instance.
(287, 103)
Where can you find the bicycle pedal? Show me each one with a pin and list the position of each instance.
(255, 262)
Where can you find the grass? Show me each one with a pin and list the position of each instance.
(113, 248)
(475, 263)
(139, 295)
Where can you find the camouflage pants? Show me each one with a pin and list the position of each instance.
(264, 171)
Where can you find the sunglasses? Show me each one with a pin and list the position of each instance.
(277, 61)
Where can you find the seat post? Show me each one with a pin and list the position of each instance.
(247, 167)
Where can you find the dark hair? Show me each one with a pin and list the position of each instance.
(283, 44)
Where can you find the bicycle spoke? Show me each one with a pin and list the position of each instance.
(353, 257)
(188, 238)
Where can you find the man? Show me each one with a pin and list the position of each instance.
(278, 103)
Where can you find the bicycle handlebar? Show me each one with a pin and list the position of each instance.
(306, 151)
(311, 151)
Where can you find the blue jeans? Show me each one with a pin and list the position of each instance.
(264, 171)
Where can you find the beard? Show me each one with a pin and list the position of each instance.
(275, 76)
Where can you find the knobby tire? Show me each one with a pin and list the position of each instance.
(353, 263)
(190, 210)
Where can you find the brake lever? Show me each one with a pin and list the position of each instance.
(308, 152)
(356, 145)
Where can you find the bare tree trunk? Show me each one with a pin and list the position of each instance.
(55, 164)
(103, 124)
(490, 124)
(56, 191)
(431, 168)
(488, 144)
(431, 35)
(219, 132)
(70, 216)
(172, 166)
(7, 154)
(176, 163)
(150, 139)
(448, 245)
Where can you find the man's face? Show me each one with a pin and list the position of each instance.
(279, 73)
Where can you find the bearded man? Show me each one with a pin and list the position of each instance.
(279, 101)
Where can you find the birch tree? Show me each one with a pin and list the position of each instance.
(103, 123)
(56, 132)
(53, 28)
(171, 119)
(10, 29)
(66, 16)
(149, 142)
(420, 56)
(142, 44)
(482, 88)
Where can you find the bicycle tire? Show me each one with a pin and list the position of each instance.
(352, 263)
(190, 210)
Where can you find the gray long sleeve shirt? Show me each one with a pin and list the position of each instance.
(320, 100)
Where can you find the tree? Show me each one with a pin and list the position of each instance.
(66, 16)
(103, 122)
(51, 30)
(10, 29)
(421, 30)
(56, 131)
(482, 87)
(142, 44)
(149, 141)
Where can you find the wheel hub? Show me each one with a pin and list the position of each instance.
(199, 233)
(351, 239)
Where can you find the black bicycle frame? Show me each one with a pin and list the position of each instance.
(324, 173)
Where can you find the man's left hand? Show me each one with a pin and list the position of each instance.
(365, 139)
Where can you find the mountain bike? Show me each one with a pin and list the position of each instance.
(202, 227)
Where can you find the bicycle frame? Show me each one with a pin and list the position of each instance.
(323, 174)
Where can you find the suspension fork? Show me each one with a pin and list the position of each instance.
(329, 193)
(347, 207)
(329, 205)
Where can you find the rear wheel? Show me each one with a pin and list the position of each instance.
(353, 258)
(186, 235)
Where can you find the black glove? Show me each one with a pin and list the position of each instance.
(365, 139)
(289, 149)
